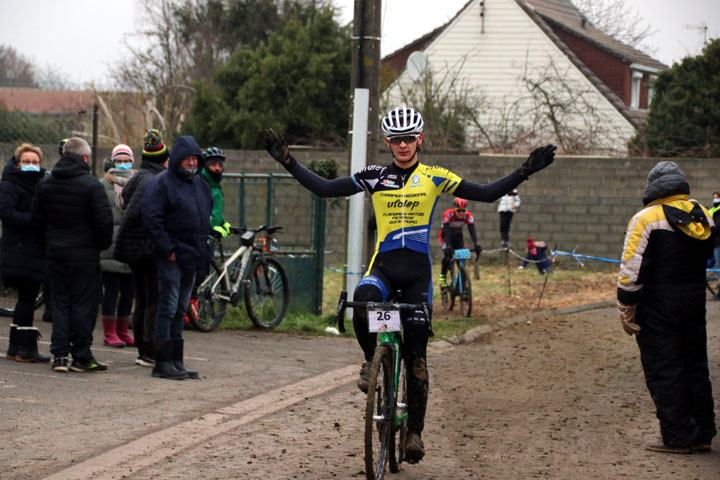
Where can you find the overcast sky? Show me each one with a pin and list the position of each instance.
(80, 38)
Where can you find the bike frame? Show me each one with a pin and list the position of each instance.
(246, 253)
(456, 283)
(393, 340)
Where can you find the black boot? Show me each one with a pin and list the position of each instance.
(164, 367)
(27, 349)
(12, 343)
(178, 347)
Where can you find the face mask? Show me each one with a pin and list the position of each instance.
(30, 168)
(124, 166)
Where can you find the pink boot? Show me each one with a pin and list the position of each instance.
(122, 331)
(111, 339)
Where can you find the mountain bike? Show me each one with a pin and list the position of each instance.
(461, 285)
(386, 405)
(8, 300)
(248, 274)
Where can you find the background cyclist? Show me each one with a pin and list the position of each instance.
(451, 236)
(212, 172)
(404, 194)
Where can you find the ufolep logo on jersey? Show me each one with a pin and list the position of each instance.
(406, 204)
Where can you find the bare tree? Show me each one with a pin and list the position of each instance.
(617, 19)
(15, 69)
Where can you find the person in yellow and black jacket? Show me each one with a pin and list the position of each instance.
(661, 298)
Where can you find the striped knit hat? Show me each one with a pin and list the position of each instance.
(154, 150)
(120, 151)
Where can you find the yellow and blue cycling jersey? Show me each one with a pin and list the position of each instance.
(404, 201)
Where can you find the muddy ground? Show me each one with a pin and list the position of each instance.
(556, 395)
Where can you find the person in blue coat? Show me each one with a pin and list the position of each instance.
(176, 213)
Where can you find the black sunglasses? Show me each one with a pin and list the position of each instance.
(408, 139)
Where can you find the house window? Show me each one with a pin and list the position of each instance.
(635, 89)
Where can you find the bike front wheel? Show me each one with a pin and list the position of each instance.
(266, 292)
(398, 435)
(378, 414)
(466, 292)
(210, 309)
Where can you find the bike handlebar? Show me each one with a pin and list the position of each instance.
(269, 229)
(343, 303)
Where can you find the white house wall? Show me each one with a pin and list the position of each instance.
(493, 61)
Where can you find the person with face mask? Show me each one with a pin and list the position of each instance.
(116, 276)
(22, 261)
(176, 214)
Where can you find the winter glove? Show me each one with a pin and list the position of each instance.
(539, 158)
(478, 249)
(220, 231)
(627, 317)
(226, 226)
(277, 147)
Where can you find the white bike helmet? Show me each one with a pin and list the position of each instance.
(402, 121)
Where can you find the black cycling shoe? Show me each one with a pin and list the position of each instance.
(414, 448)
(363, 381)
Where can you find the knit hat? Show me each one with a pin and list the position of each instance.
(122, 151)
(154, 150)
(530, 244)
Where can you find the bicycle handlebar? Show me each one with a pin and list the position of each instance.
(387, 305)
(243, 229)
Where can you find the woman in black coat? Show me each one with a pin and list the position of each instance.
(22, 262)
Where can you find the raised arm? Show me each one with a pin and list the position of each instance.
(322, 187)
(539, 158)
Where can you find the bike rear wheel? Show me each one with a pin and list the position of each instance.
(452, 288)
(466, 292)
(210, 307)
(8, 300)
(266, 292)
(398, 435)
(378, 414)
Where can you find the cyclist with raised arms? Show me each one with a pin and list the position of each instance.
(404, 195)
(451, 235)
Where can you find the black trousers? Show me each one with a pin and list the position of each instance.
(76, 293)
(408, 271)
(673, 351)
(27, 291)
(118, 293)
(505, 220)
(145, 282)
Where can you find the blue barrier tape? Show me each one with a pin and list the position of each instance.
(343, 271)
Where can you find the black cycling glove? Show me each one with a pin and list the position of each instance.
(538, 159)
(277, 147)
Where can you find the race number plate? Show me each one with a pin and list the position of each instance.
(462, 253)
(384, 321)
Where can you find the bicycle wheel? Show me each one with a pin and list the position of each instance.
(266, 292)
(466, 295)
(210, 307)
(8, 300)
(452, 288)
(396, 447)
(378, 414)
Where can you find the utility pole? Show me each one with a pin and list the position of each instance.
(365, 75)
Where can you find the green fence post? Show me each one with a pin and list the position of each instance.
(319, 211)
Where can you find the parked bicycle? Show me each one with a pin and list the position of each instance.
(461, 285)
(249, 275)
(386, 405)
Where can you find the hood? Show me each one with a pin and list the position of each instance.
(183, 147)
(664, 180)
(686, 216)
(70, 166)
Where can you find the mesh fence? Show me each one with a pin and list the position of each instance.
(44, 128)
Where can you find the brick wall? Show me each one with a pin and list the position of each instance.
(578, 201)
